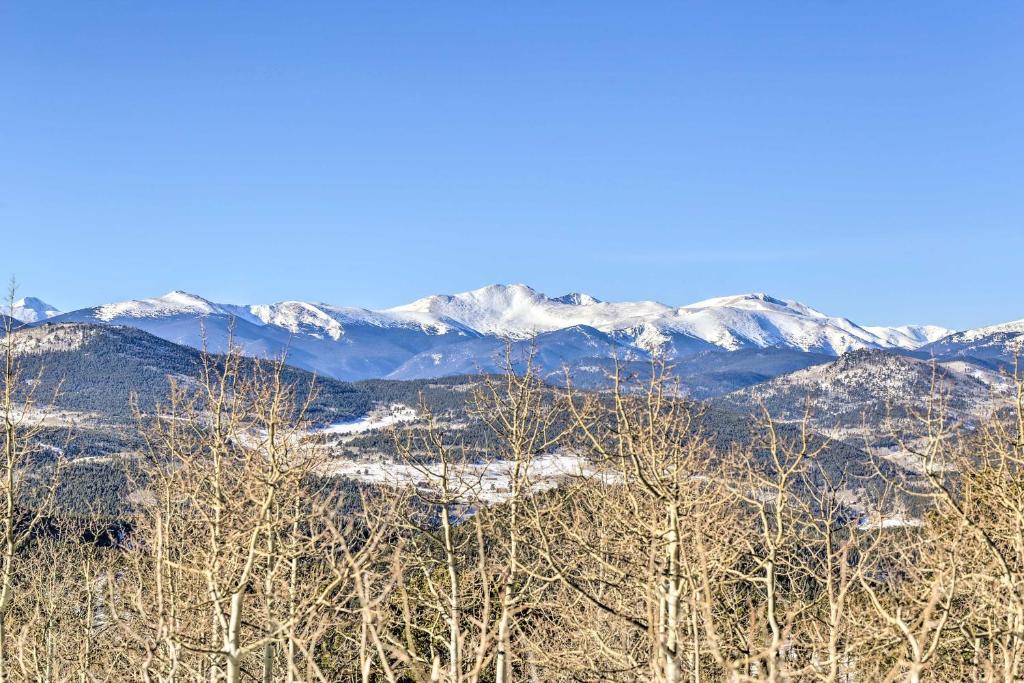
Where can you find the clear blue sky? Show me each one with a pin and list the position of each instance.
(864, 157)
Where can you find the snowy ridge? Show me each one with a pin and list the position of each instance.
(316, 319)
(520, 312)
(995, 345)
(910, 336)
(453, 333)
(760, 320)
(1015, 327)
(172, 303)
(732, 322)
(294, 315)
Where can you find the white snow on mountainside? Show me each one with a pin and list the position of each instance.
(760, 320)
(519, 312)
(31, 310)
(732, 322)
(294, 316)
(455, 333)
(172, 303)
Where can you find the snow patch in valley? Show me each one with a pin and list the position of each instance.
(379, 418)
(888, 522)
(474, 483)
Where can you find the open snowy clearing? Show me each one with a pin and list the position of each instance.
(472, 482)
(379, 418)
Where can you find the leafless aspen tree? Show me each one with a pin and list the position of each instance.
(526, 421)
(444, 568)
(639, 567)
(23, 425)
(975, 485)
(225, 473)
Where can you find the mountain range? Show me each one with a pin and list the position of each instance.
(749, 337)
(93, 378)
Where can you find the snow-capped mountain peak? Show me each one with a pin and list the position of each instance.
(757, 301)
(519, 311)
(491, 297)
(31, 310)
(750, 300)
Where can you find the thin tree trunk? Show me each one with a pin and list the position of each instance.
(232, 648)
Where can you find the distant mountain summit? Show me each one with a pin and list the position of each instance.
(31, 310)
(520, 312)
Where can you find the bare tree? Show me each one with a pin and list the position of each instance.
(527, 421)
(27, 484)
(226, 495)
(640, 566)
